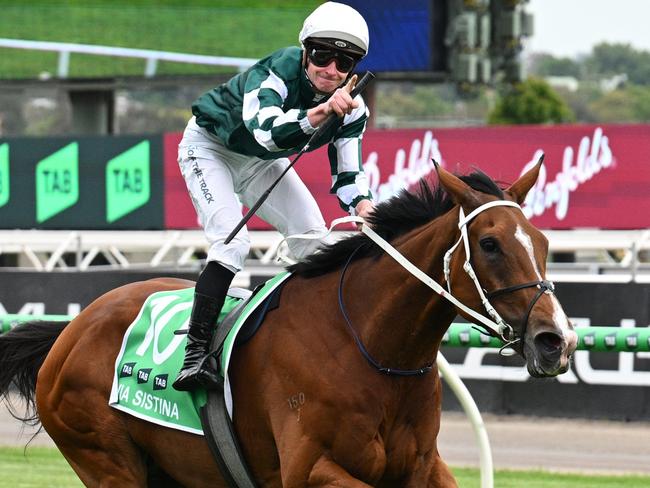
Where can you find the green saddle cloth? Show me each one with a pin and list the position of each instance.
(152, 355)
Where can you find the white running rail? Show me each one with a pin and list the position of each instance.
(608, 256)
(152, 57)
(474, 416)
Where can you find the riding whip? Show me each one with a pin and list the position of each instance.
(322, 129)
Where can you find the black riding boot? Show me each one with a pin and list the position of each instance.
(196, 372)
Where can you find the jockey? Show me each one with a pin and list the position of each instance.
(237, 144)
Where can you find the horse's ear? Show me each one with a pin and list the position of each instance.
(459, 191)
(520, 188)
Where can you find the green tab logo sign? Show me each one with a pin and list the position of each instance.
(127, 182)
(4, 174)
(57, 182)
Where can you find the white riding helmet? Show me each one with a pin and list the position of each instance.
(336, 21)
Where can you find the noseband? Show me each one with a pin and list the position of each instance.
(544, 286)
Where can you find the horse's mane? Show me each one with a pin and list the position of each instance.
(390, 219)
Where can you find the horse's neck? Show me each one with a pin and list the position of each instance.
(401, 320)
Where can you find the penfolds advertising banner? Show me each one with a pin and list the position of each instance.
(593, 176)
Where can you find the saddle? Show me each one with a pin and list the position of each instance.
(215, 418)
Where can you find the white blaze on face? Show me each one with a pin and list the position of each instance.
(527, 242)
(559, 317)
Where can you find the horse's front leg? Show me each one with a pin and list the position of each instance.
(437, 475)
(307, 463)
(326, 473)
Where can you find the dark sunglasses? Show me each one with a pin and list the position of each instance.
(321, 57)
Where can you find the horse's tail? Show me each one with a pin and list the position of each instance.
(22, 352)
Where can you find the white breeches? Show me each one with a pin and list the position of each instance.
(215, 176)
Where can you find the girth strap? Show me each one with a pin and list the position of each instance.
(217, 426)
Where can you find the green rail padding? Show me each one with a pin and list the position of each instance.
(464, 335)
(605, 338)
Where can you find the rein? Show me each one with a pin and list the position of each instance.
(357, 339)
(494, 326)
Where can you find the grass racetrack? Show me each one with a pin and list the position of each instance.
(239, 28)
(38, 467)
(35, 467)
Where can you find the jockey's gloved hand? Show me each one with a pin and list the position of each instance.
(363, 209)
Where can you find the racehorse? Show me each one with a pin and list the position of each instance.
(339, 387)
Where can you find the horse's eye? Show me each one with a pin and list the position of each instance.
(488, 244)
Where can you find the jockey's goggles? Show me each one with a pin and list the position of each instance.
(322, 56)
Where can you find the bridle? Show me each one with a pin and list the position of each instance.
(494, 326)
(504, 331)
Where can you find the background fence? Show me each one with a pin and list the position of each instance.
(609, 379)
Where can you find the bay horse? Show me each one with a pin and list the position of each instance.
(339, 387)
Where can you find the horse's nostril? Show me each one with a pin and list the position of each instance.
(548, 342)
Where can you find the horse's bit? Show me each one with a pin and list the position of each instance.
(544, 286)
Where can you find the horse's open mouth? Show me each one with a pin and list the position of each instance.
(538, 371)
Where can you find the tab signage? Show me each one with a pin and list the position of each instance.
(81, 183)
